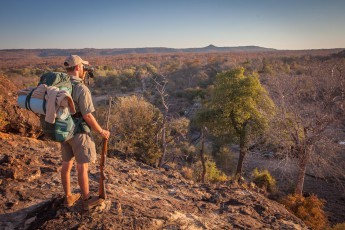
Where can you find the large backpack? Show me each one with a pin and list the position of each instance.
(63, 129)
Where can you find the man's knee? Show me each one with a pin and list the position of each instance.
(67, 166)
(82, 167)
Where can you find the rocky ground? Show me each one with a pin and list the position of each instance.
(12, 118)
(139, 196)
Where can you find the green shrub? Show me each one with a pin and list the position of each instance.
(263, 179)
(309, 209)
(213, 174)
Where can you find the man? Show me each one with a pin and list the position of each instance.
(80, 146)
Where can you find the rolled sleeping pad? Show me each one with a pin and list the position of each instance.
(36, 106)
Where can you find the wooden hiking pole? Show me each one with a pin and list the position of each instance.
(101, 190)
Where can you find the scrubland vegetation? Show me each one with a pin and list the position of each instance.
(198, 113)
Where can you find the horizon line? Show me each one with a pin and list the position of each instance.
(162, 47)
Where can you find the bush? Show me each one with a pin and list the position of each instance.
(338, 227)
(213, 174)
(263, 179)
(309, 209)
(136, 124)
(224, 159)
(187, 173)
(191, 93)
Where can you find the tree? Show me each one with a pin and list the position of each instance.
(306, 117)
(173, 130)
(143, 72)
(239, 107)
(161, 89)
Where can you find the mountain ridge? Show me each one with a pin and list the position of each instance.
(118, 51)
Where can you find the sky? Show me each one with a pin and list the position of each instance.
(67, 24)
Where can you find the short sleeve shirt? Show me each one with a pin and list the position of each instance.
(82, 97)
(81, 145)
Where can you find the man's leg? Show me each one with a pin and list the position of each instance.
(83, 179)
(66, 177)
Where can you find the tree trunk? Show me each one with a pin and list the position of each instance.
(302, 168)
(202, 156)
(164, 143)
(143, 83)
(161, 89)
(243, 151)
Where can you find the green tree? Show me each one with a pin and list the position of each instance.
(266, 67)
(239, 107)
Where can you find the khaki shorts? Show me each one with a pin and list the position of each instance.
(81, 146)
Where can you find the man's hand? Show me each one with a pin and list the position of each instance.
(91, 121)
(105, 134)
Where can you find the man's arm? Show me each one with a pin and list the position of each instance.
(92, 122)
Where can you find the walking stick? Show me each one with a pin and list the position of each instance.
(101, 191)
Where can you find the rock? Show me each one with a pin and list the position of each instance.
(4, 158)
(105, 206)
(246, 211)
(118, 208)
(7, 226)
(28, 222)
(157, 224)
(259, 209)
(36, 173)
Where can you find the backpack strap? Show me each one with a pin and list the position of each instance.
(80, 123)
(44, 103)
(27, 100)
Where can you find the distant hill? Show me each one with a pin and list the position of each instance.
(110, 52)
(212, 48)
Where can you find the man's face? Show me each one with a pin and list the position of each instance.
(82, 72)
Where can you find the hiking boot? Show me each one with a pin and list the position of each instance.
(70, 200)
(92, 202)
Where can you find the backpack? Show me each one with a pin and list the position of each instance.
(63, 129)
(65, 126)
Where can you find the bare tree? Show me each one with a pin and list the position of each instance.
(306, 119)
(161, 89)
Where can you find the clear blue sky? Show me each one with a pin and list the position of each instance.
(280, 24)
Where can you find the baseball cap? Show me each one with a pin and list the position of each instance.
(74, 60)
